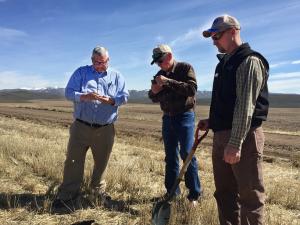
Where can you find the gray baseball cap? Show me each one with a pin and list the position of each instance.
(222, 23)
(159, 52)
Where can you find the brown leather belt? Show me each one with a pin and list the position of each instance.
(94, 125)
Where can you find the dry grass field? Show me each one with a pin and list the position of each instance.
(33, 139)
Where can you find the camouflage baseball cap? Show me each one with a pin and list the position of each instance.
(222, 23)
(159, 52)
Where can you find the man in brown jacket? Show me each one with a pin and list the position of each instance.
(174, 87)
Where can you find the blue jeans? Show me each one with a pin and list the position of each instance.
(179, 131)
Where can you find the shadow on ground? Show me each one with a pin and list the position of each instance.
(43, 204)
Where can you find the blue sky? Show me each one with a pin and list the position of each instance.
(43, 41)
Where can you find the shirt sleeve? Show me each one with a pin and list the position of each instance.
(249, 80)
(122, 93)
(156, 97)
(187, 88)
(73, 88)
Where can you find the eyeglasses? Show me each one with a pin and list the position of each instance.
(100, 62)
(217, 36)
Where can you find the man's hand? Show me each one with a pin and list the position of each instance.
(88, 97)
(203, 124)
(232, 154)
(106, 100)
(95, 96)
(161, 80)
(155, 88)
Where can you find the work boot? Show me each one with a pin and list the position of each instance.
(105, 200)
(66, 206)
(99, 197)
(167, 195)
(192, 202)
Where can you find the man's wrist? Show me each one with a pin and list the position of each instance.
(78, 97)
(112, 101)
(167, 82)
(235, 142)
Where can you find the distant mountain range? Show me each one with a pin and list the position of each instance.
(203, 97)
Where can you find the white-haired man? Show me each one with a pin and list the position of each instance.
(174, 86)
(96, 92)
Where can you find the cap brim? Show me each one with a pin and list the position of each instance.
(155, 59)
(208, 33)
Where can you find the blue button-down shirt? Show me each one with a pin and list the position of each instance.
(109, 83)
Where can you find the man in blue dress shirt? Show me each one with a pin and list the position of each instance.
(96, 92)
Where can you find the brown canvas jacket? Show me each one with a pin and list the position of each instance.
(178, 95)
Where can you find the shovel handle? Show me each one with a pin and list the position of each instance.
(197, 139)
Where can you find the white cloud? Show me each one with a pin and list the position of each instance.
(291, 75)
(278, 64)
(7, 33)
(275, 65)
(190, 36)
(285, 86)
(296, 62)
(14, 79)
(285, 83)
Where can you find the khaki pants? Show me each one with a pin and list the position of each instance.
(239, 187)
(83, 137)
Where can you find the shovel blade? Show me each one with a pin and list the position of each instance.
(161, 213)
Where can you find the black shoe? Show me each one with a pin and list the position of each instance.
(64, 206)
(58, 203)
(171, 198)
(105, 200)
(96, 197)
(199, 198)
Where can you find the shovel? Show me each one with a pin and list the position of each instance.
(162, 210)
